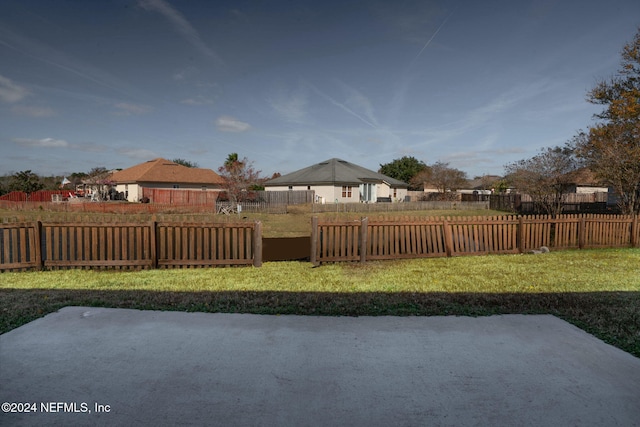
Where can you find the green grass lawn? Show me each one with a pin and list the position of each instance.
(597, 290)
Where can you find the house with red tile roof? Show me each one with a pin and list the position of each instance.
(163, 174)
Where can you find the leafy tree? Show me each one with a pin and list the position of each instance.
(186, 163)
(611, 149)
(545, 177)
(77, 177)
(403, 169)
(25, 181)
(239, 176)
(446, 179)
(501, 186)
(3, 186)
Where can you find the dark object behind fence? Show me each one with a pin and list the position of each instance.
(286, 248)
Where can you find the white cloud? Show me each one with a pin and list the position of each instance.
(180, 24)
(25, 110)
(291, 106)
(231, 124)
(125, 109)
(10, 91)
(185, 73)
(198, 100)
(42, 143)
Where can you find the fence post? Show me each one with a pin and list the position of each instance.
(582, 231)
(153, 244)
(257, 244)
(314, 240)
(364, 231)
(38, 245)
(634, 231)
(448, 237)
(521, 234)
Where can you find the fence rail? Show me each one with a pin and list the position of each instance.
(289, 197)
(365, 239)
(253, 207)
(38, 245)
(397, 207)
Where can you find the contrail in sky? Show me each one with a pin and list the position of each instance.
(432, 37)
(342, 106)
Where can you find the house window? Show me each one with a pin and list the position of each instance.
(176, 185)
(346, 191)
(395, 193)
(367, 192)
(308, 187)
(291, 187)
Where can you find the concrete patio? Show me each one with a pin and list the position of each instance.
(99, 366)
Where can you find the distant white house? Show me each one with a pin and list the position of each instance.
(339, 181)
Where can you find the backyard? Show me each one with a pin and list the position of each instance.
(597, 290)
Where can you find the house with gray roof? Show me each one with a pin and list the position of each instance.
(339, 181)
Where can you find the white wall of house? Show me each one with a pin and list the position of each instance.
(396, 194)
(399, 194)
(132, 192)
(325, 193)
(348, 194)
(590, 190)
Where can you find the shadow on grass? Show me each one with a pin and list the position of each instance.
(613, 317)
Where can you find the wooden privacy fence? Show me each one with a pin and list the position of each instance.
(367, 239)
(38, 245)
(180, 197)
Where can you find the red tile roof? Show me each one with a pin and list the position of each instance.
(165, 171)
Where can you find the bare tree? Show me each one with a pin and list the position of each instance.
(239, 176)
(545, 177)
(446, 180)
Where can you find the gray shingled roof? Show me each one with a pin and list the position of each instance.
(334, 172)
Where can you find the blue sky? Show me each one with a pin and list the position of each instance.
(478, 84)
